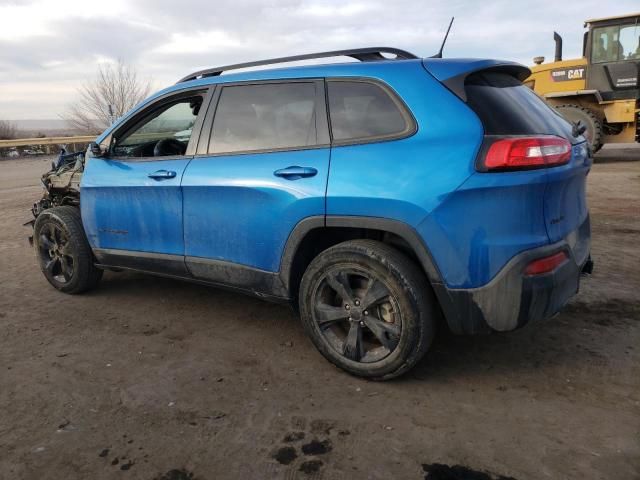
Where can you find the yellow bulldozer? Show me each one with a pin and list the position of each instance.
(601, 89)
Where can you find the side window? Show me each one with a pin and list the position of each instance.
(614, 44)
(361, 111)
(604, 45)
(265, 117)
(164, 131)
(630, 42)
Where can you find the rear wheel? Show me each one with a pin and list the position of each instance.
(576, 113)
(368, 309)
(63, 253)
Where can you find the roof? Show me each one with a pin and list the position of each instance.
(604, 19)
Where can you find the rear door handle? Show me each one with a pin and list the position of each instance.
(294, 172)
(162, 175)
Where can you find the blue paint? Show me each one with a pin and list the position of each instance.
(565, 202)
(236, 209)
(233, 207)
(122, 208)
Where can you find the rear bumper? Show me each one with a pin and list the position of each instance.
(512, 299)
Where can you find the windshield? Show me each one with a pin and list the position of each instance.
(615, 44)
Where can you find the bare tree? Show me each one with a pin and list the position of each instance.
(8, 130)
(117, 85)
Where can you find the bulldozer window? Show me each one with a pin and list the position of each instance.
(630, 40)
(615, 44)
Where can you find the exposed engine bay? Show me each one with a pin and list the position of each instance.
(61, 183)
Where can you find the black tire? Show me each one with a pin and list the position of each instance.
(589, 119)
(399, 325)
(63, 253)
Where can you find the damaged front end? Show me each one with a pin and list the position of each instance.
(61, 184)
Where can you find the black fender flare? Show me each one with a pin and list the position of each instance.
(401, 229)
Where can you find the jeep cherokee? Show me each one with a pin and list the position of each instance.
(376, 196)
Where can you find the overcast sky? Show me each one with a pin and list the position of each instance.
(50, 47)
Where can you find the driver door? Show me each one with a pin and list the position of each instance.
(131, 198)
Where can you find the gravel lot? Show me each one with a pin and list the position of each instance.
(148, 378)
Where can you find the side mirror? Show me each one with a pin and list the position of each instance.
(96, 150)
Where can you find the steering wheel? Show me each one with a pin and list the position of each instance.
(169, 146)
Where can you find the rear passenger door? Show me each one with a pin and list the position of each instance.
(263, 169)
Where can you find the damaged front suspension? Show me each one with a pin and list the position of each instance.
(61, 185)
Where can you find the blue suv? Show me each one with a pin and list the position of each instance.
(376, 197)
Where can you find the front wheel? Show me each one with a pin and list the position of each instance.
(63, 253)
(368, 309)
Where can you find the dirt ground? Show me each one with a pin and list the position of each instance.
(148, 378)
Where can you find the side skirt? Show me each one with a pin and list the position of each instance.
(255, 280)
(216, 273)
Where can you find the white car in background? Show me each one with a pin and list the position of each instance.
(32, 151)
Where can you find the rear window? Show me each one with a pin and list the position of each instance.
(507, 107)
(364, 111)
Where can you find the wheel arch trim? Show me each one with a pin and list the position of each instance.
(401, 229)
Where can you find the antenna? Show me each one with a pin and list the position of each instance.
(439, 54)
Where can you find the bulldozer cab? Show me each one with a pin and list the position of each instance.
(612, 49)
(600, 90)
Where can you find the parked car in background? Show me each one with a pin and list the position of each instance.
(32, 151)
(375, 196)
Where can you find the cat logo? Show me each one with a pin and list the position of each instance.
(567, 74)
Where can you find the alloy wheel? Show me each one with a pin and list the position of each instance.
(55, 253)
(357, 314)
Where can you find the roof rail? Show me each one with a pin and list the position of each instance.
(363, 54)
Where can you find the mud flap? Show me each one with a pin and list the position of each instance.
(587, 268)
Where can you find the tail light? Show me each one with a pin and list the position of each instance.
(517, 153)
(546, 264)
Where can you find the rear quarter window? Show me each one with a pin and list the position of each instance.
(507, 107)
(362, 111)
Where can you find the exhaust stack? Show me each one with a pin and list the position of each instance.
(558, 39)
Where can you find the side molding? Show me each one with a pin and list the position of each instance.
(259, 282)
(217, 273)
(143, 261)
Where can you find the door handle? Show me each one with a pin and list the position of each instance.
(162, 175)
(294, 172)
